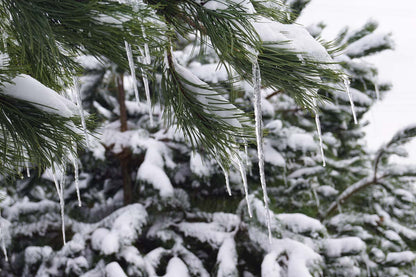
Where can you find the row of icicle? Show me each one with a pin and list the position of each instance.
(146, 60)
(58, 174)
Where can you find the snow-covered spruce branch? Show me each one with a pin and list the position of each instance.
(355, 188)
(401, 137)
(346, 194)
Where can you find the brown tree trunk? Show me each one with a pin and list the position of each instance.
(122, 103)
(125, 155)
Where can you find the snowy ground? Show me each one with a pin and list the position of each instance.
(398, 109)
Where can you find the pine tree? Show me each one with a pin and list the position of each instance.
(154, 197)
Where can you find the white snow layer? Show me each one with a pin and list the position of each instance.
(371, 41)
(227, 259)
(400, 257)
(152, 168)
(222, 5)
(301, 141)
(211, 233)
(297, 37)
(113, 269)
(35, 254)
(199, 166)
(300, 257)
(157, 156)
(27, 88)
(272, 156)
(207, 97)
(270, 266)
(212, 72)
(343, 246)
(300, 223)
(125, 229)
(176, 268)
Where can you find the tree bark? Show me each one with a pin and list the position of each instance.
(121, 97)
(125, 155)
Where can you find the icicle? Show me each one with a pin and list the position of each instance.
(2, 60)
(246, 152)
(146, 48)
(147, 61)
(147, 91)
(2, 237)
(3, 247)
(27, 170)
(259, 138)
(227, 179)
(62, 204)
(245, 185)
(81, 110)
(248, 163)
(60, 190)
(347, 87)
(132, 70)
(318, 129)
(76, 177)
(52, 173)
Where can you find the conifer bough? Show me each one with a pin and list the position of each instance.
(44, 38)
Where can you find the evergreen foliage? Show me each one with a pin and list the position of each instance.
(354, 217)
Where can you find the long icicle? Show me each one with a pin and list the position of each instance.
(318, 129)
(147, 61)
(227, 179)
(132, 70)
(248, 162)
(77, 89)
(3, 247)
(245, 185)
(62, 204)
(2, 237)
(259, 139)
(52, 172)
(76, 177)
(27, 169)
(347, 88)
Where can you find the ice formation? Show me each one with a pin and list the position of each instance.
(259, 138)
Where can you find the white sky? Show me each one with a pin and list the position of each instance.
(398, 108)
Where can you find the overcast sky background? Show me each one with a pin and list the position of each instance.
(398, 108)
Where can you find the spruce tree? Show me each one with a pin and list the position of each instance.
(154, 198)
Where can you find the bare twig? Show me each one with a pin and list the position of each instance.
(273, 94)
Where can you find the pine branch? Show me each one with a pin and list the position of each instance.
(45, 37)
(350, 191)
(29, 135)
(401, 137)
(207, 119)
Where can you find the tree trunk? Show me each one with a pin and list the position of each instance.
(125, 155)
